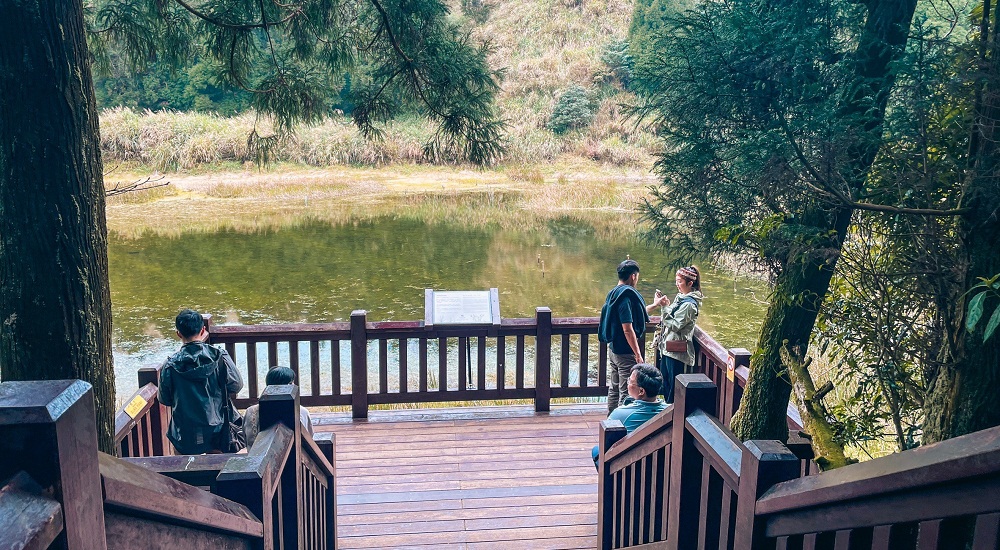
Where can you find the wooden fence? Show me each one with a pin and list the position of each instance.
(57, 490)
(538, 358)
(682, 480)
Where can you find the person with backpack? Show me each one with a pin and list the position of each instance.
(676, 331)
(623, 322)
(196, 383)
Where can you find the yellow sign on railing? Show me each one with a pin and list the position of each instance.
(135, 406)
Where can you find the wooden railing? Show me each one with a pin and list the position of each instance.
(56, 486)
(539, 358)
(940, 496)
(141, 423)
(682, 480)
(286, 478)
(60, 491)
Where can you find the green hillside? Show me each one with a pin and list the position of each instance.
(178, 120)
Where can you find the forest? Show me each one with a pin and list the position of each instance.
(846, 150)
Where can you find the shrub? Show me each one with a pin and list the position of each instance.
(573, 110)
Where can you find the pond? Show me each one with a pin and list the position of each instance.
(314, 271)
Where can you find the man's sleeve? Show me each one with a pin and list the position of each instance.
(234, 381)
(165, 392)
(624, 312)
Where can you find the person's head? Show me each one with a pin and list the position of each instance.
(628, 272)
(645, 382)
(190, 325)
(279, 376)
(688, 279)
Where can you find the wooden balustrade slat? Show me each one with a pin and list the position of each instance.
(809, 541)
(501, 363)
(709, 514)
(584, 366)
(481, 361)
(987, 532)
(645, 502)
(519, 363)
(463, 350)
(602, 363)
(781, 543)
(929, 533)
(403, 374)
(293, 360)
(422, 364)
(564, 361)
(383, 366)
(442, 364)
(636, 497)
(881, 536)
(314, 383)
(252, 387)
(272, 355)
(727, 515)
(335, 366)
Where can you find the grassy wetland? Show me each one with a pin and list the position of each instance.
(334, 222)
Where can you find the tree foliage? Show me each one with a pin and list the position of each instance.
(291, 58)
(573, 110)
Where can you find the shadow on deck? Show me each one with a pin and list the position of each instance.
(489, 477)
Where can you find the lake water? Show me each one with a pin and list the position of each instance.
(314, 271)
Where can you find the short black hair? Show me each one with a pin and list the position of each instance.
(279, 376)
(626, 269)
(189, 323)
(648, 378)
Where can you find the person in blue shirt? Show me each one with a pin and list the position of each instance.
(643, 402)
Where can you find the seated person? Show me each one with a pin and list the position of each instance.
(643, 402)
(276, 376)
(194, 383)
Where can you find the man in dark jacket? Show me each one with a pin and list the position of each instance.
(624, 319)
(189, 383)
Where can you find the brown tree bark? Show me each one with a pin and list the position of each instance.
(55, 305)
(963, 391)
(804, 283)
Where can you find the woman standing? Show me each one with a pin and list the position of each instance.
(677, 328)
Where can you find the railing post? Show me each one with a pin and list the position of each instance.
(281, 404)
(610, 432)
(159, 416)
(359, 364)
(691, 393)
(733, 393)
(48, 429)
(543, 358)
(327, 443)
(764, 464)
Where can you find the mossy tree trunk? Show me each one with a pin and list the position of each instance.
(55, 305)
(804, 281)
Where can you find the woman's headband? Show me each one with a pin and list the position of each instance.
(688, 273)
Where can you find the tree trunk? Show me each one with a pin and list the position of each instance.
(795, 303)
(803, 284)
(962, 394)
(55, 305)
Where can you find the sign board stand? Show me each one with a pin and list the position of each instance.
(463, 308)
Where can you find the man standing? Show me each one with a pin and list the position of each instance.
(623, 321)
(190, 384)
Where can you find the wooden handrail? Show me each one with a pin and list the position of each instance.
(126, 418)
(31, 518)
(967, 456)
(134, 489)
(717, 445)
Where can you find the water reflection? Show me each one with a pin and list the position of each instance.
(316, 272)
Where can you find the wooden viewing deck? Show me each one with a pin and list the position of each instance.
(488, 477)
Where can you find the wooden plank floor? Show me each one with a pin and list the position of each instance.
(483, 478)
